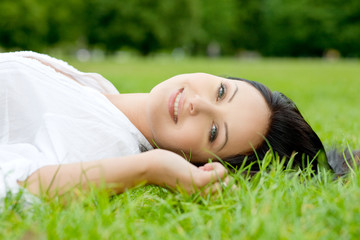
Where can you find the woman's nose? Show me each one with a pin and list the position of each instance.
(198, 105)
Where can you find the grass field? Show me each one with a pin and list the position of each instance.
(271, 205)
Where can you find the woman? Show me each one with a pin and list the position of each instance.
(61, 128)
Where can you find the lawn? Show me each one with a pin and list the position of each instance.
(271, 205)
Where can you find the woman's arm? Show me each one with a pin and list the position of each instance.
(160, 167)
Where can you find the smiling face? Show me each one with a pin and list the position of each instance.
(201, 113)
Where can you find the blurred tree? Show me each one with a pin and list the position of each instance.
(307, 27)
(66, 22)
(146, 25)
(23, 24)
(218, 24)
(348, 28)
(271, 27)
(298, 28)
(249, 33)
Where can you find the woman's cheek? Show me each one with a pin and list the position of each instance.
(191, 142)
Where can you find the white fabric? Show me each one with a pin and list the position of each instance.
(51, 113)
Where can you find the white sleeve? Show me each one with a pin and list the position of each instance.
(18, 161)
(92, 80)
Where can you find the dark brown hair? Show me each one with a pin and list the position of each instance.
(288, 133)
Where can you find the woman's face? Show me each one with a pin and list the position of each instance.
(200, 115)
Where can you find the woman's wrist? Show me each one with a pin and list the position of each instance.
(158, 167)
(167, 169)
(152, 165)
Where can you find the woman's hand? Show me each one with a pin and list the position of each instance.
(168, 169)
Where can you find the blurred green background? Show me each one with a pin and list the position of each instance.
(247, 28)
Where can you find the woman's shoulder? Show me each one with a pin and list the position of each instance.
(47, 63)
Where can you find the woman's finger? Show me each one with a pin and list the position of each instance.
(217, 186)
(219, 171)
(208, 167)
(212, 188)
(226, 181)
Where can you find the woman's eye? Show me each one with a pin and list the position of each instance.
(213, 133)
(221, 92)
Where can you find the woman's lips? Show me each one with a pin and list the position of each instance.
(174, 105)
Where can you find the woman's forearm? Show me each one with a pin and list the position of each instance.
(117, 175)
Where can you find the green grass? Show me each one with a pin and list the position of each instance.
(272, 205)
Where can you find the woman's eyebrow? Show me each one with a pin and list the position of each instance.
(226, 136)
(236, 90)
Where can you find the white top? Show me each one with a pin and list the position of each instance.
(51, 113)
